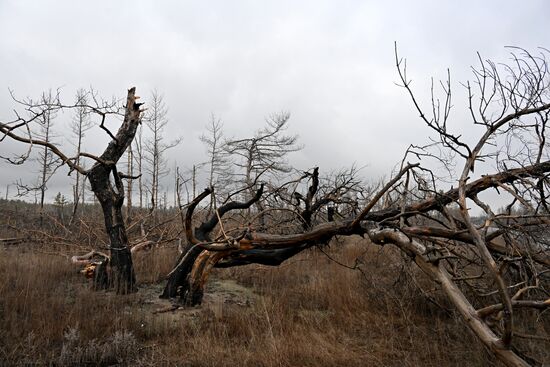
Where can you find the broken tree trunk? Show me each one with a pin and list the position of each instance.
(183, 280)
(111, 198)
(95, 267)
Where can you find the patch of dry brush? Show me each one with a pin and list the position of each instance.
(307, 312)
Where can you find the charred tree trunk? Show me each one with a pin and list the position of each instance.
(112, 198)
(330, 214)
(189, 275)
(129, 187)
(199, 275)
(307, 214)
(177, 284)
(101, 276)
(123, 277)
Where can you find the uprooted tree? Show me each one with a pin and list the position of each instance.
(491, 268)
(105, 180)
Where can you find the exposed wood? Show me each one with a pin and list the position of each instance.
(88, 258)
(178, 280)
(439, 274)
(142, 246)
(494, 242)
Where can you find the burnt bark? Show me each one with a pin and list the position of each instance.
(177, 284)
(123, 277)
(188, 277)
(177, 279)
(101, 276)
(112, 198)
(270, 257)
(309, 207)
(180, 281)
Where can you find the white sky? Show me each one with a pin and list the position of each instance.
(329, 63)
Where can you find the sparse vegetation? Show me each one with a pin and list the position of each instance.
(308, 312)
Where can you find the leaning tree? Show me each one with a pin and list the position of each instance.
(489, 257)
(105, 180)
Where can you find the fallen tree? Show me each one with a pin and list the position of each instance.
(489, 267)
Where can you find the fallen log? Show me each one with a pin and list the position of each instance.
(95, 267)
(11, 241)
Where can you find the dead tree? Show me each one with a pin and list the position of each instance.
(80, 124)
(138, 158)
(105, 180)
(156, 146)
(180, 283)
(219, 163)
(492, 269)
(46, 158)
(188, 277)
(130, 173)
(47, 161)
(265, 152)
(323, 195)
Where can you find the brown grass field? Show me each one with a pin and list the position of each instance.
(310, 311)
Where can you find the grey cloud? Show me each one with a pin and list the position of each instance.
(330, 63)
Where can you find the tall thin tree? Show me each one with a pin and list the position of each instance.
(219, 160)
(45, 158)
(264, 153)
(138, 159)
(156, 146)
(80, 124)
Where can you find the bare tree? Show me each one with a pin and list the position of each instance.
(156, 146)
(138, 158)
(80, 124)
(105, 180)
(219, 163)
(130, 173)
(264, 153)
(493, 270)
(47, 161)
(46, 158)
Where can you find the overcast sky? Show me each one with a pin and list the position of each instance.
(329, 63)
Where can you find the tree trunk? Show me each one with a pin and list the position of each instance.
(112, 198)
(178, 285)
(188, 277)
(45, 165)
(123, 277)
(129, 186)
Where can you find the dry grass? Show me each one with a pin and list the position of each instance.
(308, 312)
